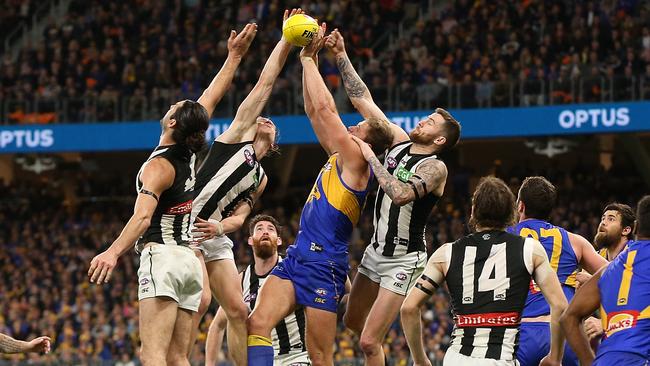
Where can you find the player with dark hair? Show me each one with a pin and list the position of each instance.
(566, 252)
(411, 181)
(170, 274)
(488, 275)
(615, 230)
(314, 272)
(622, 291)
(288, 336)
(614, 233)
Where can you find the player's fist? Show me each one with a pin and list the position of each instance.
(334, 42)
(547, 361)
(581, 278)
(311, 50)
(593, 327)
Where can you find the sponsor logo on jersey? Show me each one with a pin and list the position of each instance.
(180, 209)
(488, 320)
(621, 320)
(401, 276)
(316, 248)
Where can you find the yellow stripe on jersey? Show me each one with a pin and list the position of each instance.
(624, 290)
(603, 253)
(337, 195)
(645, 314)
(603, 317)
(557, 245)
(571, 280)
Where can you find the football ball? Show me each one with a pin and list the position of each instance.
(299, 29)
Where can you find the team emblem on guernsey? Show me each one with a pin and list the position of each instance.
(620, 321)
(391, 162)
(249, 158)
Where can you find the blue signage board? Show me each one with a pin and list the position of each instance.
(476, 124)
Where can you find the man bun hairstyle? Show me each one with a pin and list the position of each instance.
(493, 204)
(192, 120)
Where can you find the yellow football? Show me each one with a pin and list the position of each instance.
(299, 29)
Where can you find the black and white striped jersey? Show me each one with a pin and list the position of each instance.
(400, 230)
(170, 223)
(229, 174)
(488, 277)
(289, 335)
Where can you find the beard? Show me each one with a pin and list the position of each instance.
(605, 240)
(417, 138)
(265, 250)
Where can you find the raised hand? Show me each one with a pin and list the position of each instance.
(334, 42)
(294, 11)
(312, 49)
(238, 43)
(204, 230)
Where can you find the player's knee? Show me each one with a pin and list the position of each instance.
(177, 360)
(318, 358)
(369, 345)
(148, 358)
(236, 311)
(257, 324)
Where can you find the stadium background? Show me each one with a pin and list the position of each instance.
(563, 89)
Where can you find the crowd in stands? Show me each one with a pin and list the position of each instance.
(96, 66)
(51, 228)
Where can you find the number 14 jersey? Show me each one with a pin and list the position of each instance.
(488, 278)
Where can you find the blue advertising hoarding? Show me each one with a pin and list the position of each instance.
(476, 124)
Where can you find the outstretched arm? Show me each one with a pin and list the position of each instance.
(355, 87)
(430, 176)
(243, 127)
(157, 176)
(324, 117)
(11, 345)
(237, 46)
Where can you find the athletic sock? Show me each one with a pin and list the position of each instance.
(260, 351)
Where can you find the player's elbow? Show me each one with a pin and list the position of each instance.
(568, 320)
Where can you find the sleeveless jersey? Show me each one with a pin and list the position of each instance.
(328, 217)
(289, 335)
(170, 223)
(229, 174)
(625, 301)
(400, 229)
(488, 277)
(562, 259)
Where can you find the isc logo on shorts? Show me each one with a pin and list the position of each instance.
(320, 300)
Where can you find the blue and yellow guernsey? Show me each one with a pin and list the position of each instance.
(328, 217)
(625, 301)
(562, 258)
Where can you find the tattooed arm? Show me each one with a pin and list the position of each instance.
(355, 87)
(430, 177)
(10, 345)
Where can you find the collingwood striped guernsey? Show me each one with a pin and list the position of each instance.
(170, 223)
(229, 174)
(488, 277)
(400, 230)
(289, 335)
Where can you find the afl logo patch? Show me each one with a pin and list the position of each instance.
(391, 162)
(144, 281)
(249, 158)
(401, 276)
(321, 292)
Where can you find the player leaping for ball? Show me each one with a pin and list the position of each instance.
(411, 181)
(314, 272)
(227, 185)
